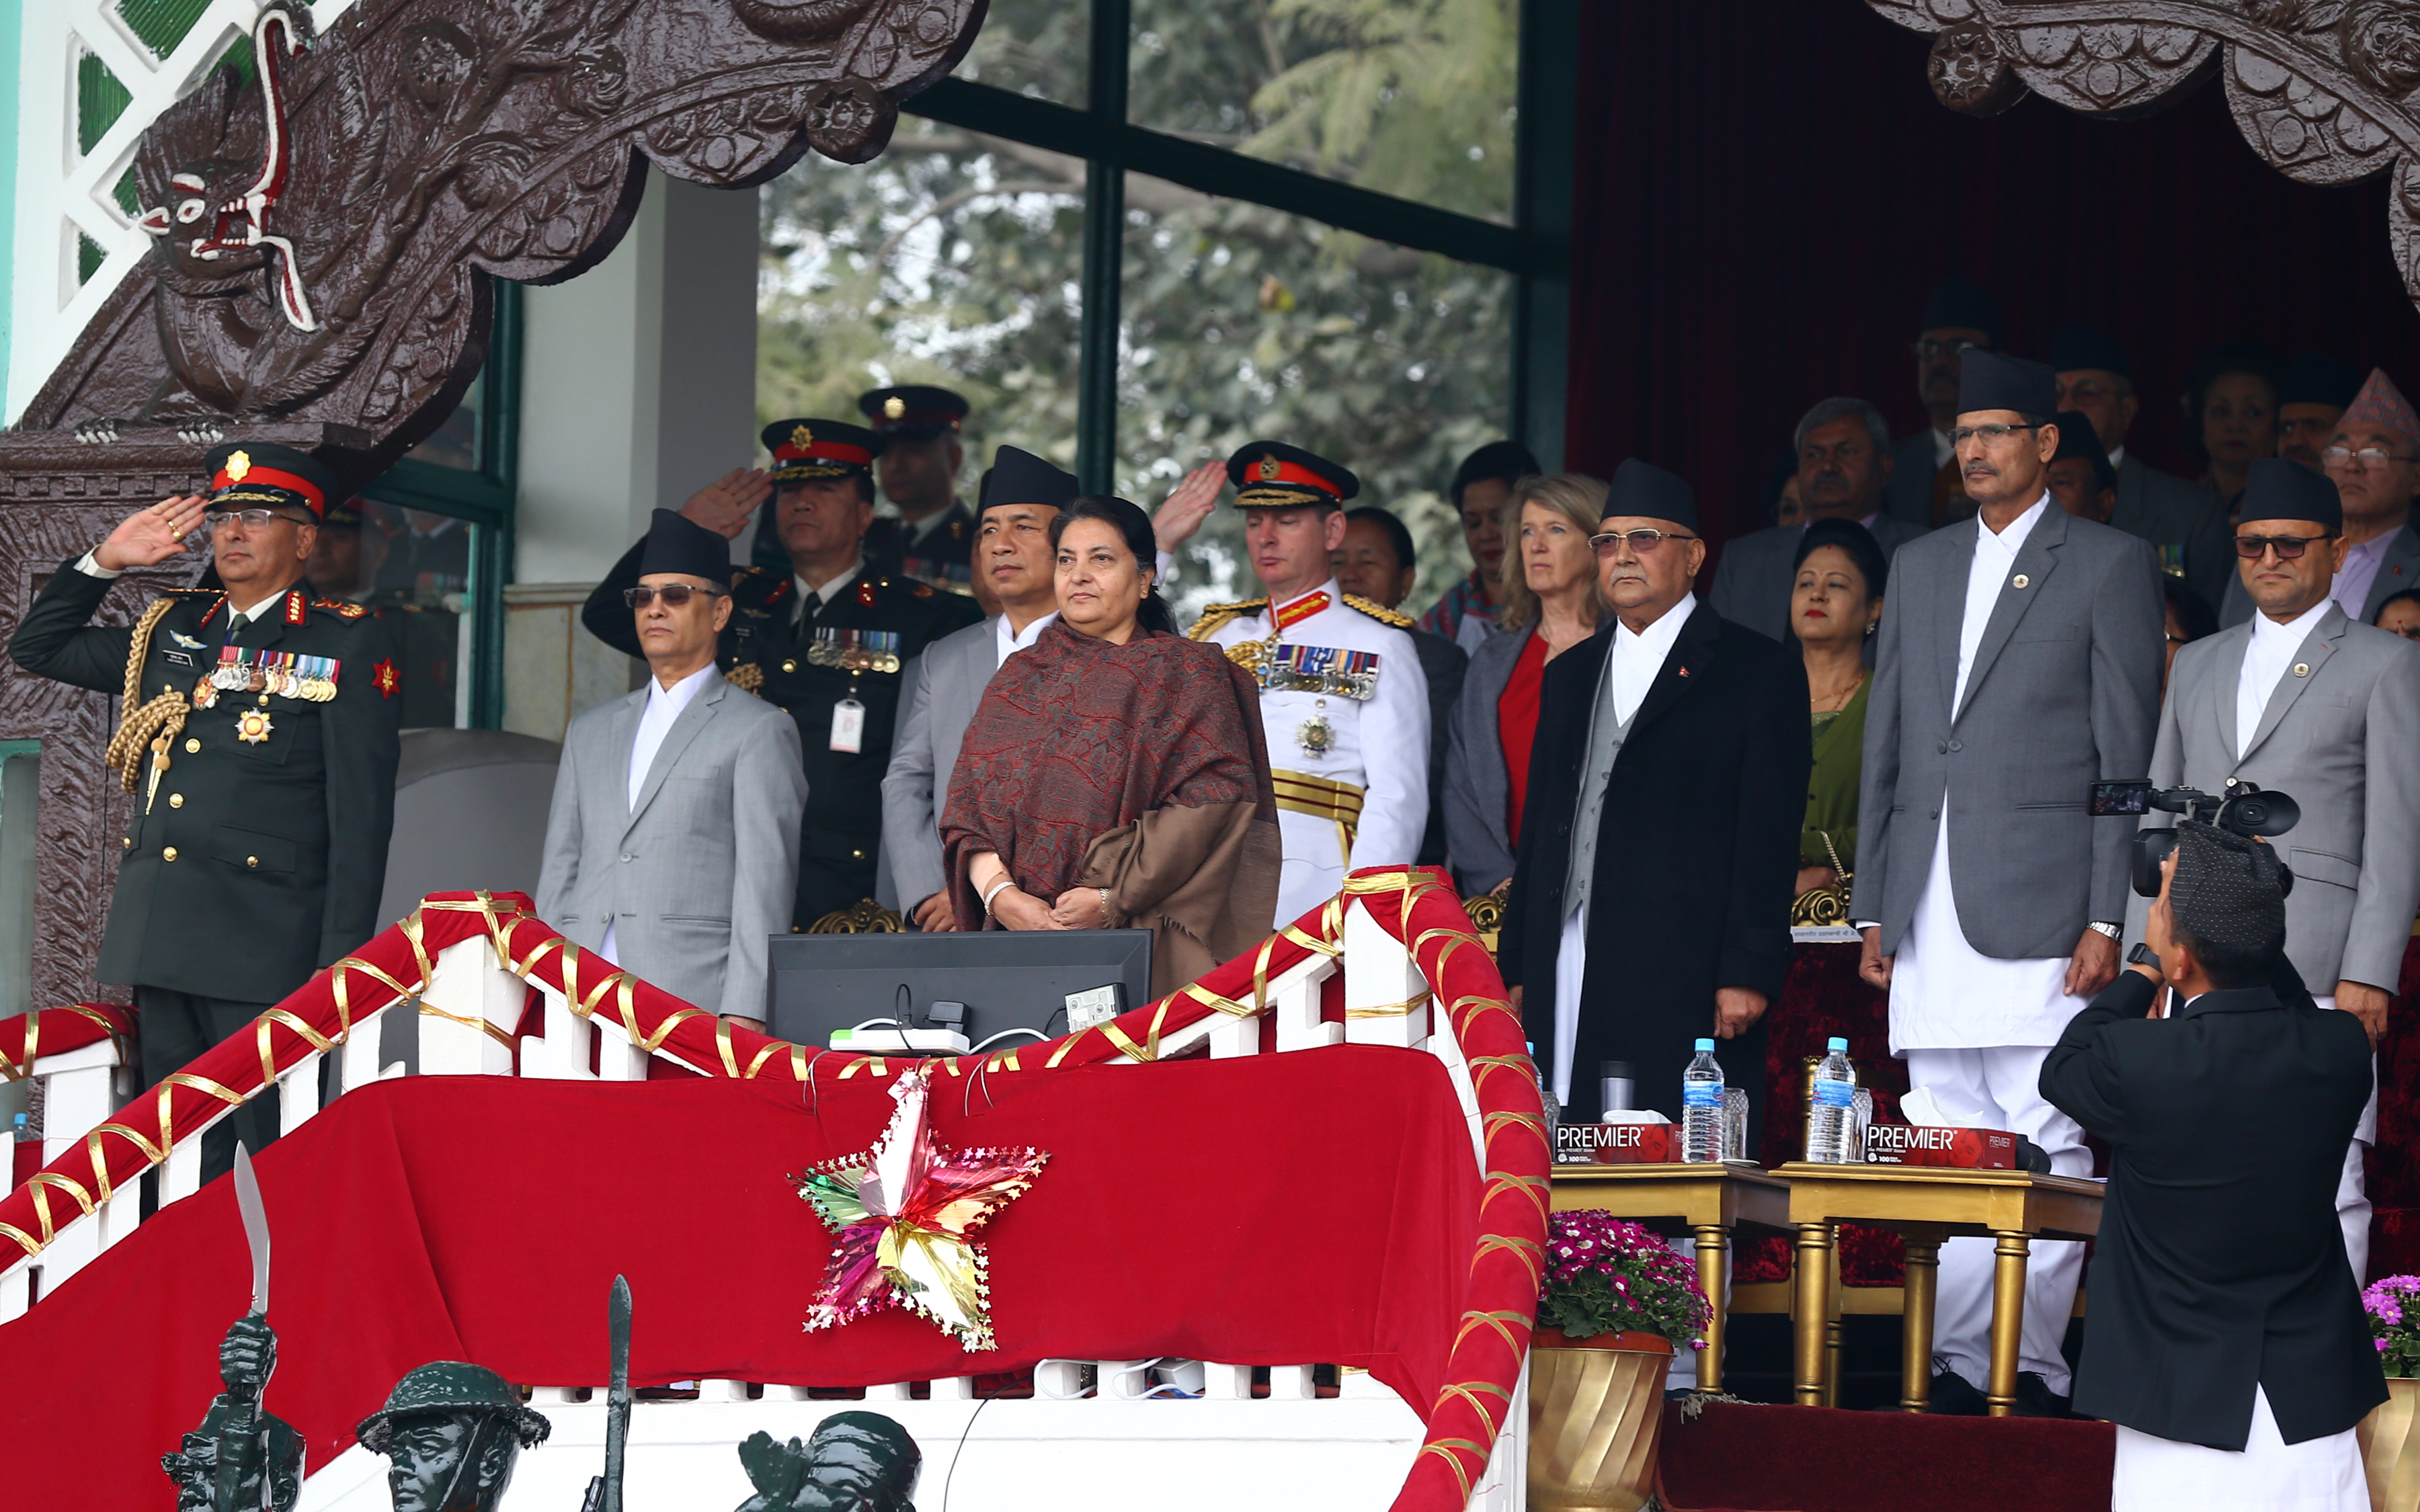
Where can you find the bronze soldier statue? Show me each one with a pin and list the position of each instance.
(222, 1461)
(453, 1431)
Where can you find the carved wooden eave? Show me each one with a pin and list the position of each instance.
(418, 149)
(326, 236)
(2324, 90)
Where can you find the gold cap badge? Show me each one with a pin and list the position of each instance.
(238, 464)
(801, 436)
(1268, 469)
(894, 408)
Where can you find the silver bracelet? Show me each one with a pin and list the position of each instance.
(1105, 904)
(997, 887)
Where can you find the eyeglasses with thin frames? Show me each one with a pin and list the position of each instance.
(1988, 435)
(2368, 456)
(1929, 347)
(254, 519)
(1643, 543)
(674, 594)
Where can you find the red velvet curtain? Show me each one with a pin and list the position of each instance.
(1766, 188)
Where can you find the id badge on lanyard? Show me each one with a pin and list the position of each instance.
(849, 725)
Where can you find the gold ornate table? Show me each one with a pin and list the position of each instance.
(1925, 1205)
(1709, 1199)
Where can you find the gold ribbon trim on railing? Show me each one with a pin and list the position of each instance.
(1391, 1010)
(429, 1010)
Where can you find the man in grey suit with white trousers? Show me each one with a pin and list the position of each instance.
(2018, 663)
(2304, 701)
(1021, 495)
(672, 848)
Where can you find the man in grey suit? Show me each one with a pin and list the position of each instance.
(672, 848)
(2018, 663)
(1957, 318)
(2183, 521)
(2304, 701)
(1021, 495)
(2374, 460)
(1845, 467)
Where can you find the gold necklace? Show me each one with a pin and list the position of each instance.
(1842, 701)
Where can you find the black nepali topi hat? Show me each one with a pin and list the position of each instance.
(2075, 349)
(2275, 488)
(1957, 305)
(2078, 439)
(676, 543)
(1017, 476)
(1642, 490)
(1993, 380)
(2228, 890)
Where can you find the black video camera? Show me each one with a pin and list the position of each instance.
(2243, 808)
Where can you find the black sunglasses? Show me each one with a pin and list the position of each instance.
(674, 594)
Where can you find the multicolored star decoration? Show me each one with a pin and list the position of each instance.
(903, 1212)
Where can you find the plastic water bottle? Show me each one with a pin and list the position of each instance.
(21, 1126)
(1554, 1109)
(1831, 1119)
(1701, 1107)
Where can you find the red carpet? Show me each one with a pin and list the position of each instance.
(1746, 1458)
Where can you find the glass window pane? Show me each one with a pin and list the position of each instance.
(1410, 98)
(955, 259)
(412, 568)
(1242, 322)
(456, 443)
(1033, 47)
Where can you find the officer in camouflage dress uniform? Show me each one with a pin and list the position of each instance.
(258, 745)
(826, 641)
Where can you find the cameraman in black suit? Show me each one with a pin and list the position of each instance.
(2226, 1337)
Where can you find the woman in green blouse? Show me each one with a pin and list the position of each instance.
(1835, 603)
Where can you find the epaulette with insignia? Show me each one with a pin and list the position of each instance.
(349, 611)
(1380, 612)
(1216, 616)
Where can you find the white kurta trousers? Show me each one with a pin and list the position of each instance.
(2268, 1474)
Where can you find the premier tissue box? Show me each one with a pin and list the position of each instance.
(1973, 1150)
(1617, 1144)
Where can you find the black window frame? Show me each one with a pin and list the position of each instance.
(1534, 249)
(483, 498)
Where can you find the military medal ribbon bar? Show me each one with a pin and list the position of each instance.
(1329, 671)
(284, 673)
(856, 651)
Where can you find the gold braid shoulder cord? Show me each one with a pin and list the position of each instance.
(157, 722)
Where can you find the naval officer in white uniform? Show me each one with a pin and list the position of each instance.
(1341, 695)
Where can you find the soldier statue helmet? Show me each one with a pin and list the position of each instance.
(853, 1462)
(453, 1431)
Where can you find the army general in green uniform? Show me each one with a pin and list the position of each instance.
(258, 744)
(824, 641)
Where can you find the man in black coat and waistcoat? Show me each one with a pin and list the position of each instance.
(1650, 904)
(2226, 1337)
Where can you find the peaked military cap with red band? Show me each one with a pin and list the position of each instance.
(256, 473)
(808, 451)
(913, 412)
(1273, 475)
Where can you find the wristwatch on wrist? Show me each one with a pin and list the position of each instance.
(2110, 929)
(2141, 955)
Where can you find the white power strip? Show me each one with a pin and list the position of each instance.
(886, 1042)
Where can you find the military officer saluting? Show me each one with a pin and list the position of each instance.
(825, 640)
(259, 741)
(934, 538)
(1342, 699)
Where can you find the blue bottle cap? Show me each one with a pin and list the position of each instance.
(1531, 1045)
(1836, 1042)
(1705, 1044)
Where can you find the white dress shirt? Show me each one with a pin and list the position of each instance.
(826, 591)
(1012, 641)
(1943, 450)
(2266, 660)
(1944, 993)
(664, 705)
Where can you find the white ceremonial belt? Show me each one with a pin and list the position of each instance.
(1321, 797)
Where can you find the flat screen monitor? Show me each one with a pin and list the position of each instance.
(1008, 978)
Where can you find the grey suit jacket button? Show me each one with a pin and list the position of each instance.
(1941, 747)
(1934, 814)
(1956, 746)
(627, 859)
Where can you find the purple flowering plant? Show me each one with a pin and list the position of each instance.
(1606, 1276)
(2393, 1305)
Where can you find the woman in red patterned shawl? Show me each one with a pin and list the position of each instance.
(1115, 775)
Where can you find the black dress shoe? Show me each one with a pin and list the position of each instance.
(2036, 1399)
(1954, 1396)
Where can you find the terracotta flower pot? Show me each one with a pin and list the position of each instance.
(2390, 1448)
(1596, 1407)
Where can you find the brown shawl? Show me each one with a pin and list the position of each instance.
(1140, 768)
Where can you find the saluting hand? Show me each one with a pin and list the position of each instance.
(728, 504)
(1179, 516)
(151, 535)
